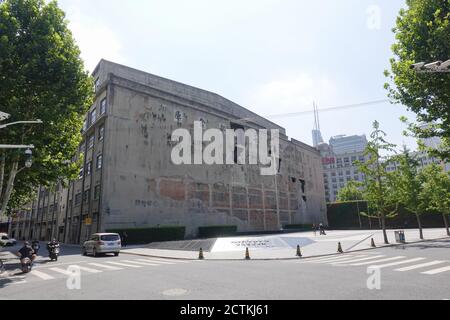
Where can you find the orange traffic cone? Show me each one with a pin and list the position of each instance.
(299, 253)
(247, 254)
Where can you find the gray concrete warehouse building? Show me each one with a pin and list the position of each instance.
(129, 181)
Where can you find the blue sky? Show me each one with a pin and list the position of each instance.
(269, 56)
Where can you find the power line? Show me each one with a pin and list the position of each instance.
(327, 109)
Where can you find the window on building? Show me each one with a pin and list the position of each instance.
(85, 122)
(341, 179)
(86, 195)
(77, 199)
(347, 172)
(349, 178)
(333, 174)
(101, 133)
(99, 161)
(89, 168)
(333, 180)
(103, 106)
(96, 84)
(91, 142)
(93, 116)
(80, 174)
(341, 173)
(97, 192)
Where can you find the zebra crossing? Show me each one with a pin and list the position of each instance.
(399, 263)
(44, 273)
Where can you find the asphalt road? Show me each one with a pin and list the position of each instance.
(417, 271)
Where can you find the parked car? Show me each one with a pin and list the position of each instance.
(101, 243)
(6, 241)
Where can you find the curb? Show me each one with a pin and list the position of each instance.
(293, 258)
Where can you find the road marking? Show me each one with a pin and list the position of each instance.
(399, 262)
(41, 275)
(422, 265)
(169, 260)
(436, 271)
(376, 261)
(156, 261)
(59, 270)
(123, 264)
(46, 266)
(105, 266)
(335, 259)
(89, 270)
(326, 258)
(141, 263)
(361, 259)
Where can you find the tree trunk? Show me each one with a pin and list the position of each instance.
(446, 223)
(383, 226)
(2, 171)
(359, 216)
(419, 223)
(9, 187)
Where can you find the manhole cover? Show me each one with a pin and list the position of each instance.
(175, 292)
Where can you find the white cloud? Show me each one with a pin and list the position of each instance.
(293, 93)
(96, 41)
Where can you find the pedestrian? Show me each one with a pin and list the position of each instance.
(124, 238)
(314, 229)
(322, 229)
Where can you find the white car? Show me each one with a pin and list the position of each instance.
(101, 243)
(6, 241)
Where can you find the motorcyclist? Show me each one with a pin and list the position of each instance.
(26, 252)
(35, 246)
(52, 244)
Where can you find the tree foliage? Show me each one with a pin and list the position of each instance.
(378, 183)
(351, 192)
(408, 185)
(422, 34)
(436, 191)
(41, 77)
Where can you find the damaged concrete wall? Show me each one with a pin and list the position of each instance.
(141, 187)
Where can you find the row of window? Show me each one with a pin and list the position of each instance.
(91, 139)
(98, 165)
(92, 115)
(86, 195)
(341, 173)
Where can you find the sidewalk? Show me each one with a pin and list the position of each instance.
(285, 248)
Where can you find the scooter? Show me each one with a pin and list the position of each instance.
(53, 252)
(26, 265)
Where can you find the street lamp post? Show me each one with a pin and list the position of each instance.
(433, 67)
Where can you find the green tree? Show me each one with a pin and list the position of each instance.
(378, 183)
(422, 34)
(436, 191)
(408, 185)
(41, 77)
(351, 192)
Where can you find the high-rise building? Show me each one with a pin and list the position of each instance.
(348, 144)
(338, 163)
(316, 133)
